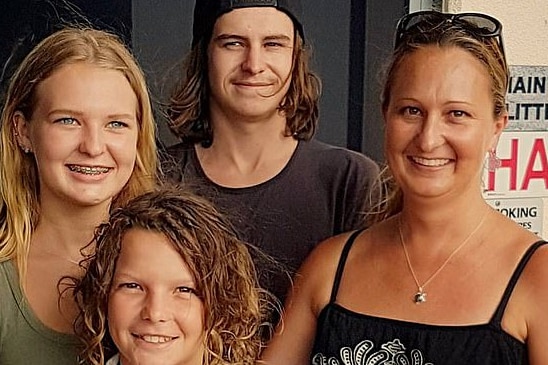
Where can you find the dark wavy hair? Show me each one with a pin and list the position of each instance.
(236, 309)
(188, 110)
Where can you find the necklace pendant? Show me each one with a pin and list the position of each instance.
(420, 297)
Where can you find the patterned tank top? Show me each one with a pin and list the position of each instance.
(344, 337)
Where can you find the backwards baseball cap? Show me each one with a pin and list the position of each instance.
(206, 13)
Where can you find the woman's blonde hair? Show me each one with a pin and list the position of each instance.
(235, 309)
(19, 182)
(487, 50)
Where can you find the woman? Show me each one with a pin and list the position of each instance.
(175, 285)
(442, 278)
(77, 138)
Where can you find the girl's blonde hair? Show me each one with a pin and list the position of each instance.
(19, 181)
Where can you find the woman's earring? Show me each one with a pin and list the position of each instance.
(493, 162)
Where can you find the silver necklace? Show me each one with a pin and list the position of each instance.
(72, 261)
(420, 295)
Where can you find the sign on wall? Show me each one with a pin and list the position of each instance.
(528, 213)
(527, 98)
(523, 170)
(523, 146)
(519, 185)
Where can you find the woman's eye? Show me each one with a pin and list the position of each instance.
(411, 110)
(459, 113)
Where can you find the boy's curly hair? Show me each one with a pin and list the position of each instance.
(236, 309)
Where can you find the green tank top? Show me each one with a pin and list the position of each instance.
(24, 339)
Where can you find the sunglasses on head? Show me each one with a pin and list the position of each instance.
(477, 24)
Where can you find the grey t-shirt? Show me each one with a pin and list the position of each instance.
(322, 191)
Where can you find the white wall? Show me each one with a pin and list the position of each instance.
(525, 34)
(525, 26)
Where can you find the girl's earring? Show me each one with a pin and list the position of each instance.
(25, 149)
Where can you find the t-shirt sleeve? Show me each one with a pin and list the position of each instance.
(363, 190)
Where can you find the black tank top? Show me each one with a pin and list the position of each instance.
(344, 337)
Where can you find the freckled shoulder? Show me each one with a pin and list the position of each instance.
(533, 290)
(317, 274)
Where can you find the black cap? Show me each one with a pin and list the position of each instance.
(206, 13)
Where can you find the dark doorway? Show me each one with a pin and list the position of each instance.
(23, 23)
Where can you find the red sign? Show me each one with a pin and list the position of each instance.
(523, 170)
